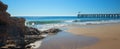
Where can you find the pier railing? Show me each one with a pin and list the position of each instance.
(99, 16)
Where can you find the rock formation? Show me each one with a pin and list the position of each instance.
(11, 29)
(51, 31)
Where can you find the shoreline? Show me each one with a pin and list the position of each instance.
(108, 35)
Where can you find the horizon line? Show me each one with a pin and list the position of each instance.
(40, 15)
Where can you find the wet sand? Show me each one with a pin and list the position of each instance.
(65, 40)
(108, 35)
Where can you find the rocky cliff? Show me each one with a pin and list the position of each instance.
(11, 28)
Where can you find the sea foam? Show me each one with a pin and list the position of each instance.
(43, 27)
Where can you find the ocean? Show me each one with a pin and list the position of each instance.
(63, 38)
(59, 18)
(46, 22)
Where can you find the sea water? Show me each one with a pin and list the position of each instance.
(47, 22)
(64, 40)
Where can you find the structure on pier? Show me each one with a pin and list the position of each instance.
(98, 15)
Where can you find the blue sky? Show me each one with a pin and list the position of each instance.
(60, 7)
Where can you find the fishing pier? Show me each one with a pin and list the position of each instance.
(116, 16)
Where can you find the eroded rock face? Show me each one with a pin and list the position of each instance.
(11, 29)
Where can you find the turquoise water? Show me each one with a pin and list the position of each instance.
(62, 18)
(46, 22)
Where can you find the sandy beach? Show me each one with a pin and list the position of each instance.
(108, 35)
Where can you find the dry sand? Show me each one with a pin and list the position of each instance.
(108, 35)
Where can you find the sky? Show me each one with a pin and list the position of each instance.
(61, 7)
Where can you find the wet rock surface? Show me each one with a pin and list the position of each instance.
(50, 31)
(34, 35)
